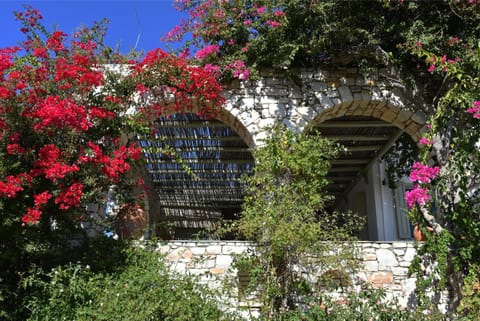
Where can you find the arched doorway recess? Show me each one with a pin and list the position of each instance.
(195, 164)
(359, 179)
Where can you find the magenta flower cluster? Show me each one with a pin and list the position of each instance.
(240, 71)
(418, 196)
(421, 174)
(207, 51)
(475, 109)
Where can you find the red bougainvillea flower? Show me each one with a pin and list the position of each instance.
(42, 198)
(58, 113)
(33, 215)
(62, 113)
(55, 42)
(11, 186)
(71, 196)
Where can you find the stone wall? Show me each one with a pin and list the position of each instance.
(385, 265)
(254, 106)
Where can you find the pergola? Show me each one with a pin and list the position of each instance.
(366, 140)
(196, 164)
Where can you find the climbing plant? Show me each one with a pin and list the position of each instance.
(446, 195)
(286, 213)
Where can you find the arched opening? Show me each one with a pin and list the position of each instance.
(361, 178)
(195, 164)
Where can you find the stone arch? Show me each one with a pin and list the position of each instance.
(217, 151)
(226, 116)
(359, 178)
(397, 114)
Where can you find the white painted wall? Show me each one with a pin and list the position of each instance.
(384, 213)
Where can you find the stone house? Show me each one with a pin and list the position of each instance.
(366, 115)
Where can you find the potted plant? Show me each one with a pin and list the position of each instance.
(418, 234)
(131, 221)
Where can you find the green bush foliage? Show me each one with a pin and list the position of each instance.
(367, 305)
(287, 212)
(142, 289)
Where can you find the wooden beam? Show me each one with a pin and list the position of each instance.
(361, 138)
(214, 189)
(365, 148)
(192, 138)
(208, 170)
(184, 149)
(382, 151)
(199, 207)
(191, 124)
(192, 180)
(350, 161)
(354, 124)
(201, 161)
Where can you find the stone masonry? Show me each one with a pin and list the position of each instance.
(384, 265)
(254, 106)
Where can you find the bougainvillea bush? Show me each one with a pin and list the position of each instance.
(66, 119)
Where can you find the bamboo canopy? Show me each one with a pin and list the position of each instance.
(196, 164)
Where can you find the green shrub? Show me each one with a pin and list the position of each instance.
(367, 305)
(287, 213)
(144, 289)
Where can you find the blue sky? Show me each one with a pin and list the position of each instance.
(132, 22)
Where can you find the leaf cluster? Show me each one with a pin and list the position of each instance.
(286, 211)
(142, 288)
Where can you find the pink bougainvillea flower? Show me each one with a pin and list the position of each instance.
(213, 69)
(244, 75)
(418, 196)
(273, 24)
(207, 51)
(261, 10)
(422, 173)
(425, 141)
(175, 34)
(475, 109)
